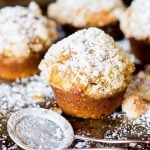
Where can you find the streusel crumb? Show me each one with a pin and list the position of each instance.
(86, 13)
(89, 62)
(137, 97)
(24, 30)
(135, 22)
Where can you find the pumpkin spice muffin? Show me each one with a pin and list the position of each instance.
(25, 35)
(76, 14)
(135, 23)
(88, 72)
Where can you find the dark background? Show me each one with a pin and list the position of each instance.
(42, 3)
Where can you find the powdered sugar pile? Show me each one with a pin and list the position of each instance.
(24, 30)
(39, 133)
(78, 13)
(26, 92)
(88, 61)
(136, 20)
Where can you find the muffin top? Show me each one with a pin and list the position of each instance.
(135, 22)
(24, 30)
(86, 13)
(88, 62)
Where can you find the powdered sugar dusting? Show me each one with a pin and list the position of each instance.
(45, 138)
(88, 61)
(114, 127)
(24, 30)
(109, 127)
(129, 128)
(136, 20)
(25, 92)
(78, 13)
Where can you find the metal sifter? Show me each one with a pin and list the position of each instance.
(43, 129)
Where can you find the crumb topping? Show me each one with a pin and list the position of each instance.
(86, 12)
(24, 30)
(89, 62)
(134, 105)
(137, 97)
(135, 22)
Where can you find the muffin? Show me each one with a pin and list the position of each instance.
(135, 23)
(76, 14)
(25, 37)
(88, 72)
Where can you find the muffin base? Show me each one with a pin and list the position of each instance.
(12, 68)
(141, 49)
(111, 29)
(83, 106)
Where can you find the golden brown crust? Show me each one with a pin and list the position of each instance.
(93, 20)
(100, 19)
(79, 105)
(12, 68)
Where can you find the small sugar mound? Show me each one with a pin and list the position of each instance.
(134, 105)
(135, 22)
(88, 61)
(24, 30)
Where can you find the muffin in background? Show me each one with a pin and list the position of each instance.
(25, 35)
(76, 14)
(88, 72)
(135, 23)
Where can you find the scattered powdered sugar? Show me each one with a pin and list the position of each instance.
(114, 127)
(88, 61)
(129, 128)
(135, 22)
(25, 92)
(82, 144)
(138, 128)
(81, 13)
(24, 30)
